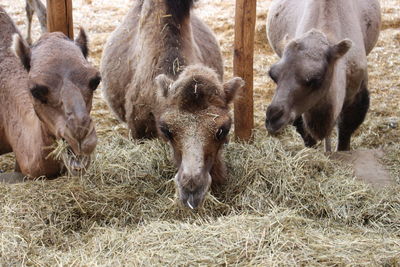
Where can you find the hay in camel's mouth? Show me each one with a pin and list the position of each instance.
(75, 164)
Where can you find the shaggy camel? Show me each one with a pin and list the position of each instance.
(162, 73)
(46, 94)
(322, 75)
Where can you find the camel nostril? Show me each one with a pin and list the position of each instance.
(274, 113)
(79, 126)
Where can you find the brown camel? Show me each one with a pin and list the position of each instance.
(46, 94)
(322, 75)
(162, 72)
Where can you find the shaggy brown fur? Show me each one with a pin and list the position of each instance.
(162, 72)
(322, 74)
(47, 97)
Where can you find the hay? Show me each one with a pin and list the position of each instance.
(277, 239)
(279, 206)
(73, 164)
(392, 161)
(283, 204)
(59, 148)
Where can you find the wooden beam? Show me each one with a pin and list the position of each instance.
(59, 17)
(245, 21)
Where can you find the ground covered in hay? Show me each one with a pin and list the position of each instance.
(283, 205)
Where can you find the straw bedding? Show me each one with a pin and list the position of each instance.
(283, 204)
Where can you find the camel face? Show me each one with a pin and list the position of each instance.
(196, 140)
(303, 77)
(196, 123)
(61, 82)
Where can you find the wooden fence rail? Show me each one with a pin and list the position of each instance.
(59, 17)
(245, 20)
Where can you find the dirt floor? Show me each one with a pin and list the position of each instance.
(285, 205)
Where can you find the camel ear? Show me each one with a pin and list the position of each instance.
(82, 42)
(231, 88)
(341, 48)
(163, 85)
(22, 50)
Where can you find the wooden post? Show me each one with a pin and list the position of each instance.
(245, 21)
(59, 17)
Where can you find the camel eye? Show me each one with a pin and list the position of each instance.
(222, 132)
(94, 82)
(40, 92)
(166, 132)
(313, 82)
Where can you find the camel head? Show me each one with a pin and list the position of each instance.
(303, 77)
(61, 82)
(194, 119)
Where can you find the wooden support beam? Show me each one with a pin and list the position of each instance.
(245, 21)
(59, 17)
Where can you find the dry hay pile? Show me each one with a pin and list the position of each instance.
(283, 205)
(279, 207)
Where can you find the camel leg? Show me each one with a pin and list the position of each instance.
(308, 140)
(142, 126)
(352, 116)
(29, 15)
(327, 144)
(41, 14)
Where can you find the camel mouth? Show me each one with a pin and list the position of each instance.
(275, 127)
(193, 199)
(75, 164)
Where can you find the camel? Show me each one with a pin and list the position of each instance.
(321, 77)
(162, 75)
(46, 93)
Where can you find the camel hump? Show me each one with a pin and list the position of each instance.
(179, 9)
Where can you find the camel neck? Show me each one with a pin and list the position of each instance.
(322, 15)
(165, 40)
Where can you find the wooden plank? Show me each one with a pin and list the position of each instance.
(59, 17)
(245, 20)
